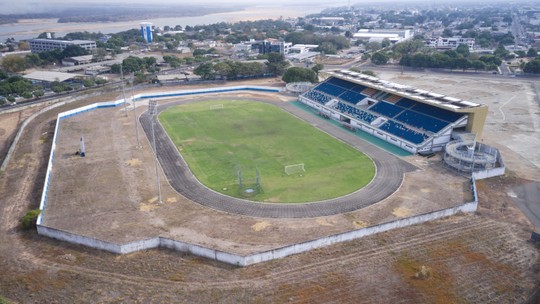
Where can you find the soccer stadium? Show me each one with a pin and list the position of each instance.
(205, 170)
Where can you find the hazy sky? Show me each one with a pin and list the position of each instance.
(24, 6)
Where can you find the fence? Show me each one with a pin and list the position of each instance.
(277, 253)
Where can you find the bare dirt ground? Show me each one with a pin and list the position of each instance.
(88, 195)
(481, 258)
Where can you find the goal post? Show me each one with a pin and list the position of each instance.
(294, 169)
(216, 106)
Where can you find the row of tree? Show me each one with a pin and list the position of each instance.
(11, 87)
(442, 60)
(230, 70)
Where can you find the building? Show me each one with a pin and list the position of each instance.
(272, 46)
(78, 60)
(45, 78)
(378, 35)
(146, 31)
(449, 42)
(43, 45)
(415, 120)
(302, 48)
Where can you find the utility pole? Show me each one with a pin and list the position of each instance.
(138, 146)
(123, 88)
(152, 111)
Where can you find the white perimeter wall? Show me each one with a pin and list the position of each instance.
(214, 254)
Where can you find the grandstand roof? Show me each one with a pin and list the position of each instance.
(423, 96)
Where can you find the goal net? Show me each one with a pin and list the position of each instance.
(216, 106)
(293, 169)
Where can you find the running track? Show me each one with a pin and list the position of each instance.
(388, 178)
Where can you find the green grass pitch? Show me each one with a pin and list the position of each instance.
(248, 135)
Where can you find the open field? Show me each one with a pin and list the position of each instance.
(481, 258)
(246, 136)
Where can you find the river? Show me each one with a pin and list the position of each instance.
(31, 28)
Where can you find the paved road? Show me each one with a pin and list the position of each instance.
(390, 171)
(528, 200)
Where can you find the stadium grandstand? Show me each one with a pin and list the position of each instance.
(415, 120)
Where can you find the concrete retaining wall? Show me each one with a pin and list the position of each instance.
(210, 253)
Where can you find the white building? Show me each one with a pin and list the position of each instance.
(42, 45)
(379, 35)
(302, 48)
(449, 42)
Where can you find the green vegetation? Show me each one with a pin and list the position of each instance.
(296, 74)
(11, 87)
(230, 70)
(247, 135)
(329, 44)
(29, 219)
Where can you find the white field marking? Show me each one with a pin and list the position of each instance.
(500, 108)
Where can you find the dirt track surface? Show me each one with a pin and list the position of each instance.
(481, 258)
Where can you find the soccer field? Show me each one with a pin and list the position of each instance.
(246, 136)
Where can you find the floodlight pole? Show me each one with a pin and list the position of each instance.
(138, 146)
(123, 88)
(152, 111)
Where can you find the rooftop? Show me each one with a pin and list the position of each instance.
(50, 76)
(427, 97)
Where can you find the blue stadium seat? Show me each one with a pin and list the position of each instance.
(386, 109)
(422, 121)
(352, 97)
(358, 88)
(405, 103)
(355, 112)
(403, 132)
(330, 89)
(437, 112)
(317, 96)
(340, 82)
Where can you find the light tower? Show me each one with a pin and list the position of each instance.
(146, 31)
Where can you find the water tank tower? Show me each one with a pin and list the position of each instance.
(146, 31)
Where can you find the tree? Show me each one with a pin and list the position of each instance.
(132, 64)
(327, 48)
(100, 54)
(501, 52)
(463, 49)
(24, 45)
(38, 93)
(379, 58)
(33, 60)
(88, 83)
(224, 69)
(73, 51)
(296, 74)
(478, 65)
(13, 64)
(317, 68)
(532, 52)
(276, 63)
(205, 70)
(447, 33)
(385, 43)
(373, 46)
(532, 67)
